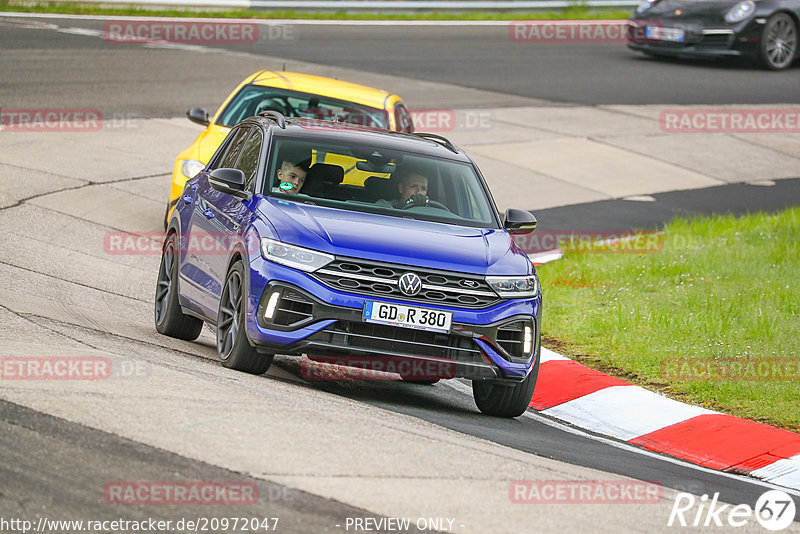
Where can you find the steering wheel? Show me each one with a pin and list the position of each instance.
(413, 202)
(276, 104)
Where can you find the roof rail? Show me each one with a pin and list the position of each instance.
(443, 140)
(276, 116)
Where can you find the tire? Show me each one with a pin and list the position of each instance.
(169, 318)
(777, 47)
(233, 348)
(505, 401)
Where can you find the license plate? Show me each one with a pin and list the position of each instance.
(660, 33)
(407, 316)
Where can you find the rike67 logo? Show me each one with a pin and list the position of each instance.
(774, 510)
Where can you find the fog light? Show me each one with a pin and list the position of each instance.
(272, 305)
(527, 343)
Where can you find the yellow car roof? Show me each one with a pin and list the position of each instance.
(320, 85)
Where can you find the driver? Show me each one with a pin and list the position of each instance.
(412, 186)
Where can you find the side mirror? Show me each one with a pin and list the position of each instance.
(230, 181)
(198, 115)
(519, 221)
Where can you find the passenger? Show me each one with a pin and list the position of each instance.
(292, 174)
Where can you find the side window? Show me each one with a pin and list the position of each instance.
(227, 159)
(402, 119)
(248, 161)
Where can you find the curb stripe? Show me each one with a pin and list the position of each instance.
(547, 355)
(618, 411)
(564, 380)
(547, 256)
(602, 404)
(722, 441)
(785, 472)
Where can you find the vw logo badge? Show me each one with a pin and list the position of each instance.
(410, 284)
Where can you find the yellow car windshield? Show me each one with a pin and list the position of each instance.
(255, 99)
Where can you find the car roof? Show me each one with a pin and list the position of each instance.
(320, 85)
(341, 132)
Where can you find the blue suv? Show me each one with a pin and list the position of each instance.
(356, 246)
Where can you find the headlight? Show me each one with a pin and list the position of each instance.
(191, 167)
(644, 5)
(514, 286)
(292, 256)
(740, 11)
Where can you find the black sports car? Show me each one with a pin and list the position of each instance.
(760, 30)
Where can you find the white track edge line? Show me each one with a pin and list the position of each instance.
(463, 388)
(303, 22)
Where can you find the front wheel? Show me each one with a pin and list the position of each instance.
(778, 45)
(502, 400)
(233, 348)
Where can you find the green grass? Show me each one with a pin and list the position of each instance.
(721, 288)
(576, 12)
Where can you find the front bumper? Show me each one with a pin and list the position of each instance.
(703, 38)
(313, 319)
(686, 51)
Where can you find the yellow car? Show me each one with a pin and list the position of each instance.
(294, 95)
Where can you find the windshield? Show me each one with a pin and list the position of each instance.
(363, 178)
(255, 99)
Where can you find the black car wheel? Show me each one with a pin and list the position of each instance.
(778, 46)
(505, 400)
(233, 348)
(169, 318)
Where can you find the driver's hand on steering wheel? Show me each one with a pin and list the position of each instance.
(418, 199)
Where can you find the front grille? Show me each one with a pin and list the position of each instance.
(380, 279)
(293, 307)
(715, 40)
(393, 340)
(510, 337)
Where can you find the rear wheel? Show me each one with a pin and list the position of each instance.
(233, 348)
(505, 400)
(170, 319)
(778, 44)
